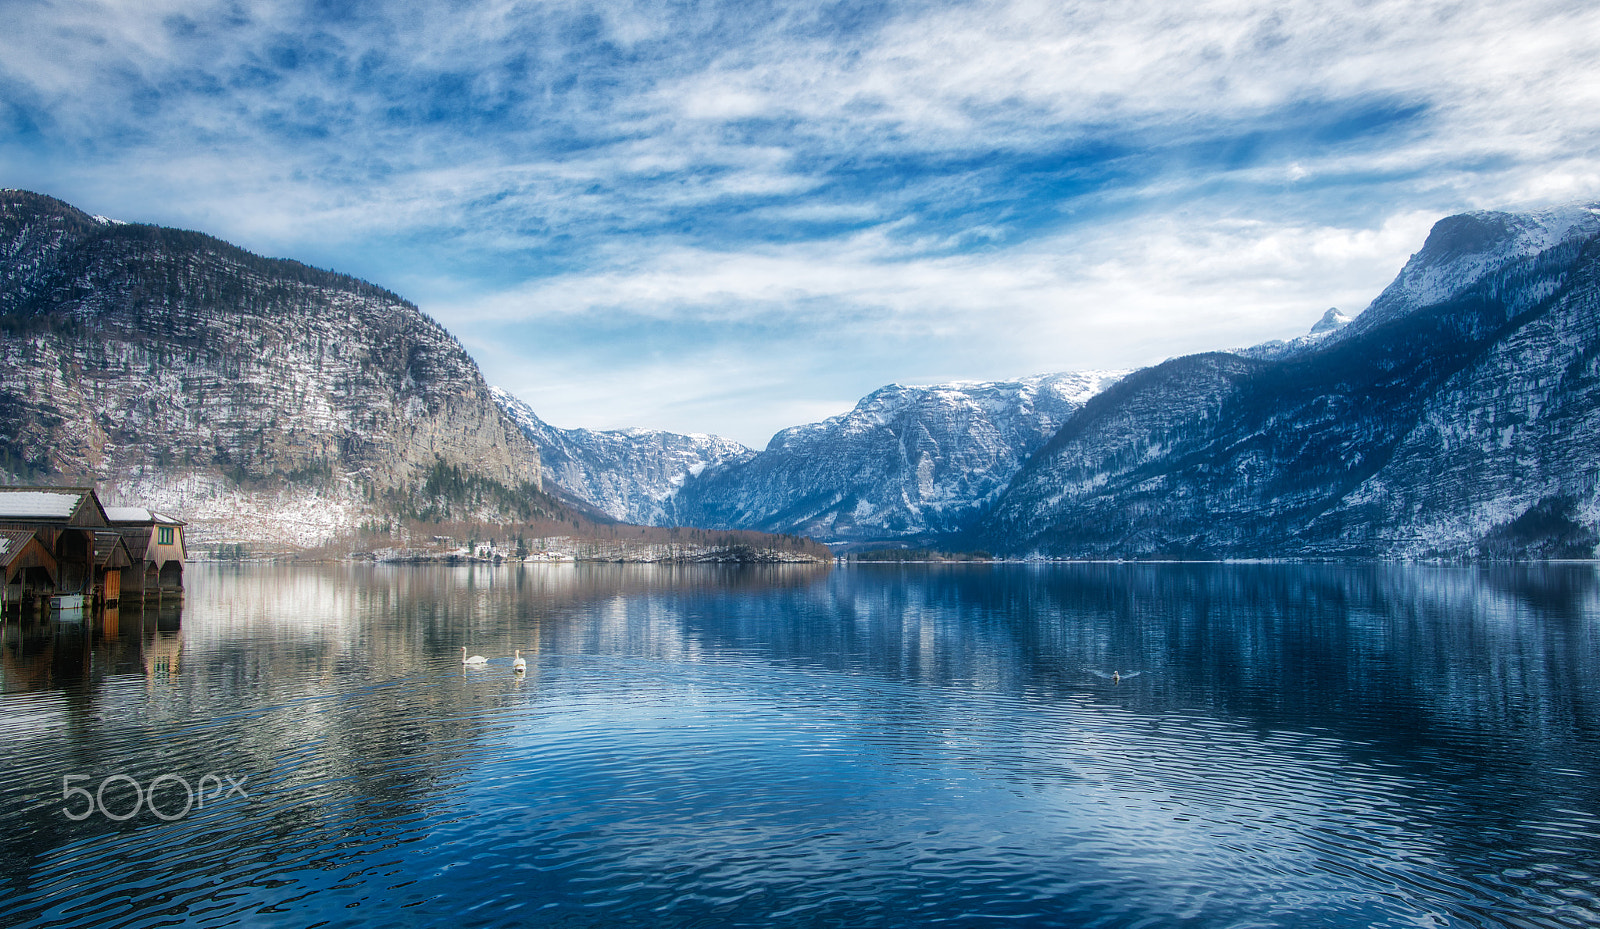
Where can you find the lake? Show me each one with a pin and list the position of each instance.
(1192, 745)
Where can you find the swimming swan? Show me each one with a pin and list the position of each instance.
(1115, 677)
(475, 659)
(520, 664)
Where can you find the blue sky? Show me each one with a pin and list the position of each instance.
(735, 217)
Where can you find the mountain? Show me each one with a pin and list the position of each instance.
(907, 464)
(628, 474)
(1457, 416)
(1331, 322)
(263, 399)
(267, 401)
(1472, 249)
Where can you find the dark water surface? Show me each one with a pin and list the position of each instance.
(1299, 746)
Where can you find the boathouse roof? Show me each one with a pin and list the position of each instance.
(78, 506)
(111, 551)
(11, 542)
(15, 548)
(139, 515)
(38, 504)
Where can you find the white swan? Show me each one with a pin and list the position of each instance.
(1115, 677)
(519, 664)
(475, 659)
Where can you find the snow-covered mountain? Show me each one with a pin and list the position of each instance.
(1485, 250)
(629, 474)
(907, 464)
(1331, 322)
(1459, 415)
(262, 399)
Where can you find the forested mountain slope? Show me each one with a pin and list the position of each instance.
(261, 398)
(1459, 415)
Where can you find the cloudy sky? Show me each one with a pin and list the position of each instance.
(732, 217)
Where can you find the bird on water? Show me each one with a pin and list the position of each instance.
(520, 664)
(475, 659)
(1115, 677)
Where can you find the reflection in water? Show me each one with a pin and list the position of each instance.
(1348, 745)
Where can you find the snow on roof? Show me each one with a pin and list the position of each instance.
(38, 504)
(138, 514)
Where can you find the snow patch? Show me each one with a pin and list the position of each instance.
(217, 511)
(38, 504)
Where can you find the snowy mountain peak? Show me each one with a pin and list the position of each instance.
(989, 399)
(905, 463)
(630, 474)
(1456, 417)
(1331, 320)
(1467, 248)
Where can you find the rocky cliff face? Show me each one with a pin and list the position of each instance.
(1459, 415)
(261, 398)
(629, 474)
(907, 464)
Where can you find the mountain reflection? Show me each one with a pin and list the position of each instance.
(1274, 728)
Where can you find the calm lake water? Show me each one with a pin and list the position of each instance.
(1287, 746)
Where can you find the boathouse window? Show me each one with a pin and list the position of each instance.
(164, 535)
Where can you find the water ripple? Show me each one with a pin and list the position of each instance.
(684, 754)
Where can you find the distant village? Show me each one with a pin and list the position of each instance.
(63, 550)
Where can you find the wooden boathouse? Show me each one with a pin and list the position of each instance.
(155, 547)
(61, 543)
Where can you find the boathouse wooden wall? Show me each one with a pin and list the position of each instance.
(30, 568)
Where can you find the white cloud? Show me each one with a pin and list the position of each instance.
(1497, 91)
(868, 269)
(1126, 295)
(715, 100)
